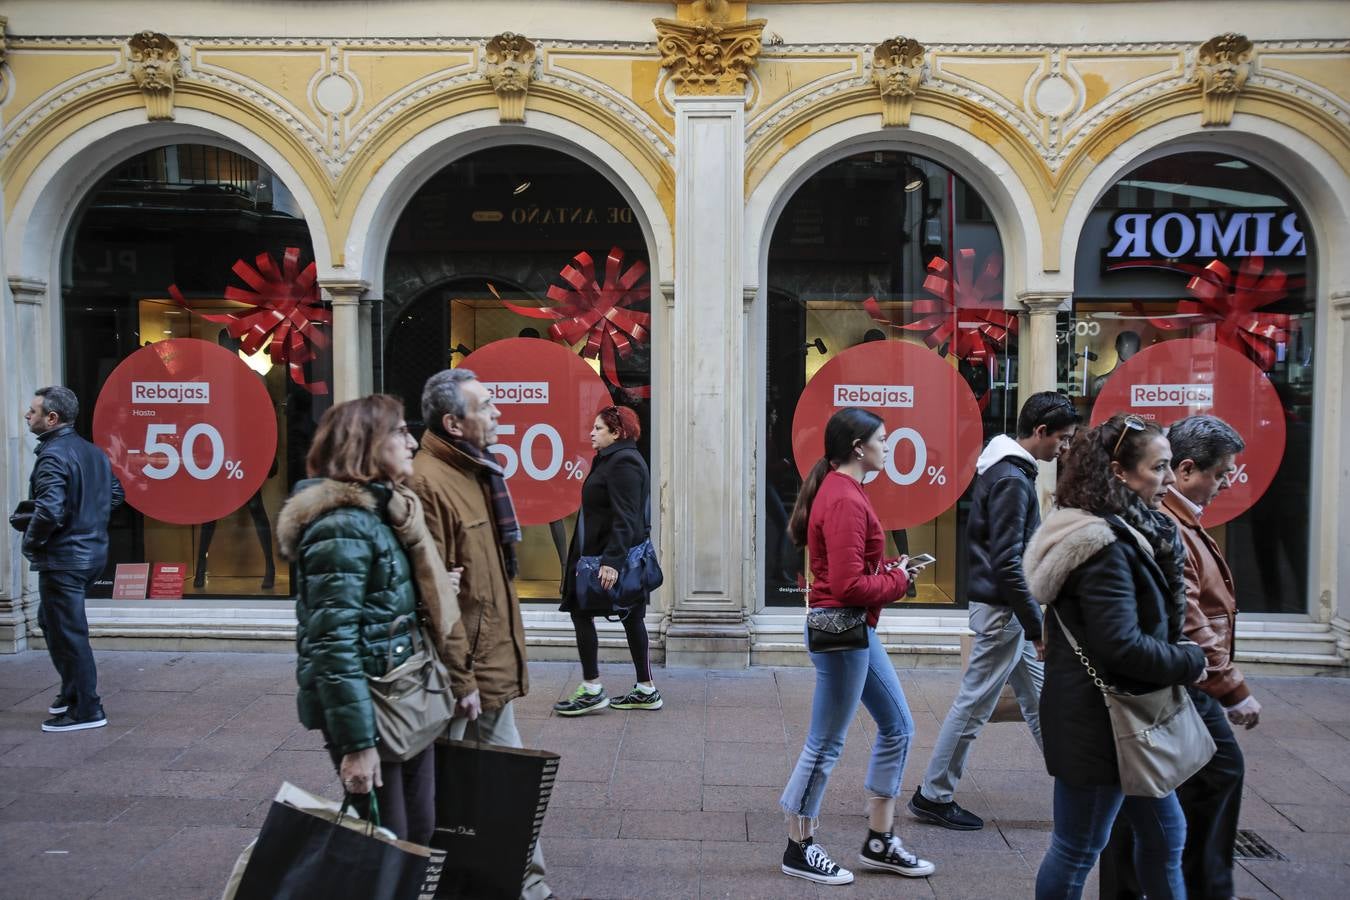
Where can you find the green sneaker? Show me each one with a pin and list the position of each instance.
(581, 702)
(639, 699)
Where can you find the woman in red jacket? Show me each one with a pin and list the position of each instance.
(835, 522)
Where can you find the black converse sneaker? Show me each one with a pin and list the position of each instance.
(582, 702)
(884, 851)
(67, 722)
(59, 705)
(807, 859)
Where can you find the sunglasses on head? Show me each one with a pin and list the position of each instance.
(1131, 423)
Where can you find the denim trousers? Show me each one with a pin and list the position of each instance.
(498, 727)
(1083, 820)
(1000, 655)
(66, 631)
(843, 679)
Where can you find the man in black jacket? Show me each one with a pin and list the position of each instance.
(1005, 617)
(73, 490)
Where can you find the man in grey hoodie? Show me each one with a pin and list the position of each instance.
(1005, 617)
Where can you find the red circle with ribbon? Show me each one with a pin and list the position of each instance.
(548, 397)
(1190, 377)
(189, 428)
(933, 426)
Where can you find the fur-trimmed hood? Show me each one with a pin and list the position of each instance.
(1066, 539)
(313, 498)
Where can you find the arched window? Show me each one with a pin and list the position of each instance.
(886, 246)
(1194, 295)
(190, 218)
(524, 242)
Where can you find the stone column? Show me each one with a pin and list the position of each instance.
(29, 366)
(1335, 443)
(345, 296)
(1036, 363)
(708, 625)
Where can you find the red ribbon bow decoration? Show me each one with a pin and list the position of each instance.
(598, 312)
(286, 310)
(1229, 301)
(968, 315)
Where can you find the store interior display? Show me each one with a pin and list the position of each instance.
(180, 220)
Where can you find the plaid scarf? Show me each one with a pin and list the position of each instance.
(1161, 533)
(503, 510)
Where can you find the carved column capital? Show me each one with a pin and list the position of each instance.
(510, 68)
(1045, 302)
(708, 58)
(1340, 301)
(343, 291)
(156, 66)
(1222, 66)
(897, 71)
(32, 291)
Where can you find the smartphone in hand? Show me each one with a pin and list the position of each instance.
(922, 561)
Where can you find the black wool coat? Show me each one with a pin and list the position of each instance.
(614, 505)
(1114, 599)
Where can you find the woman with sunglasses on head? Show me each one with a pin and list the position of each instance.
(1110, 565)
(835, 521)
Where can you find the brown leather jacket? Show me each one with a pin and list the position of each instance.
(1211, 605)
(485, 651)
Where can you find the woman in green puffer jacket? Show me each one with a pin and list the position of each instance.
(354, 581)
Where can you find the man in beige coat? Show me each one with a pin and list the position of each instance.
(470, 517)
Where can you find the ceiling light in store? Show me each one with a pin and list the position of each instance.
(913, 185)
(522, 187)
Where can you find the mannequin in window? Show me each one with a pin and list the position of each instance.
(262, 526)
(1127, 345)
(900, 536)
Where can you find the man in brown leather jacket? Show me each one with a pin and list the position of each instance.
(472, 520)
(1203, 451)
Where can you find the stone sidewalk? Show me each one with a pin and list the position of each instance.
(678, 803)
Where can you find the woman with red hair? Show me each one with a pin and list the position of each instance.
(614, 518)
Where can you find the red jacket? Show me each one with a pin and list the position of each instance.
(846, 546)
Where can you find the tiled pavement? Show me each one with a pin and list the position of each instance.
(678, 803)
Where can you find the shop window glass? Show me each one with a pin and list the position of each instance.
(1210, 248)
(492, 234)
(186, 216)
(877, 227)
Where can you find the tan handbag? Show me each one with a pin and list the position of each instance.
(413, 703)
(1160, 738)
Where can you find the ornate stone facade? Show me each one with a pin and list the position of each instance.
(342, 111)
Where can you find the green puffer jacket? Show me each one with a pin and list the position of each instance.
(353, 582)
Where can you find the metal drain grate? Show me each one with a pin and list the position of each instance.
(1250, 845)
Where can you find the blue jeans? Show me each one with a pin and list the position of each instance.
(1083, 820)
(66, 631)
(844, 678)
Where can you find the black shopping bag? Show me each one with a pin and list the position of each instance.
(490, 803)
(302, 854)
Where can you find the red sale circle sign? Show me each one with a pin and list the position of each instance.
(548, 397)
(1192, 377)
(189, 428)
(933, 426)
